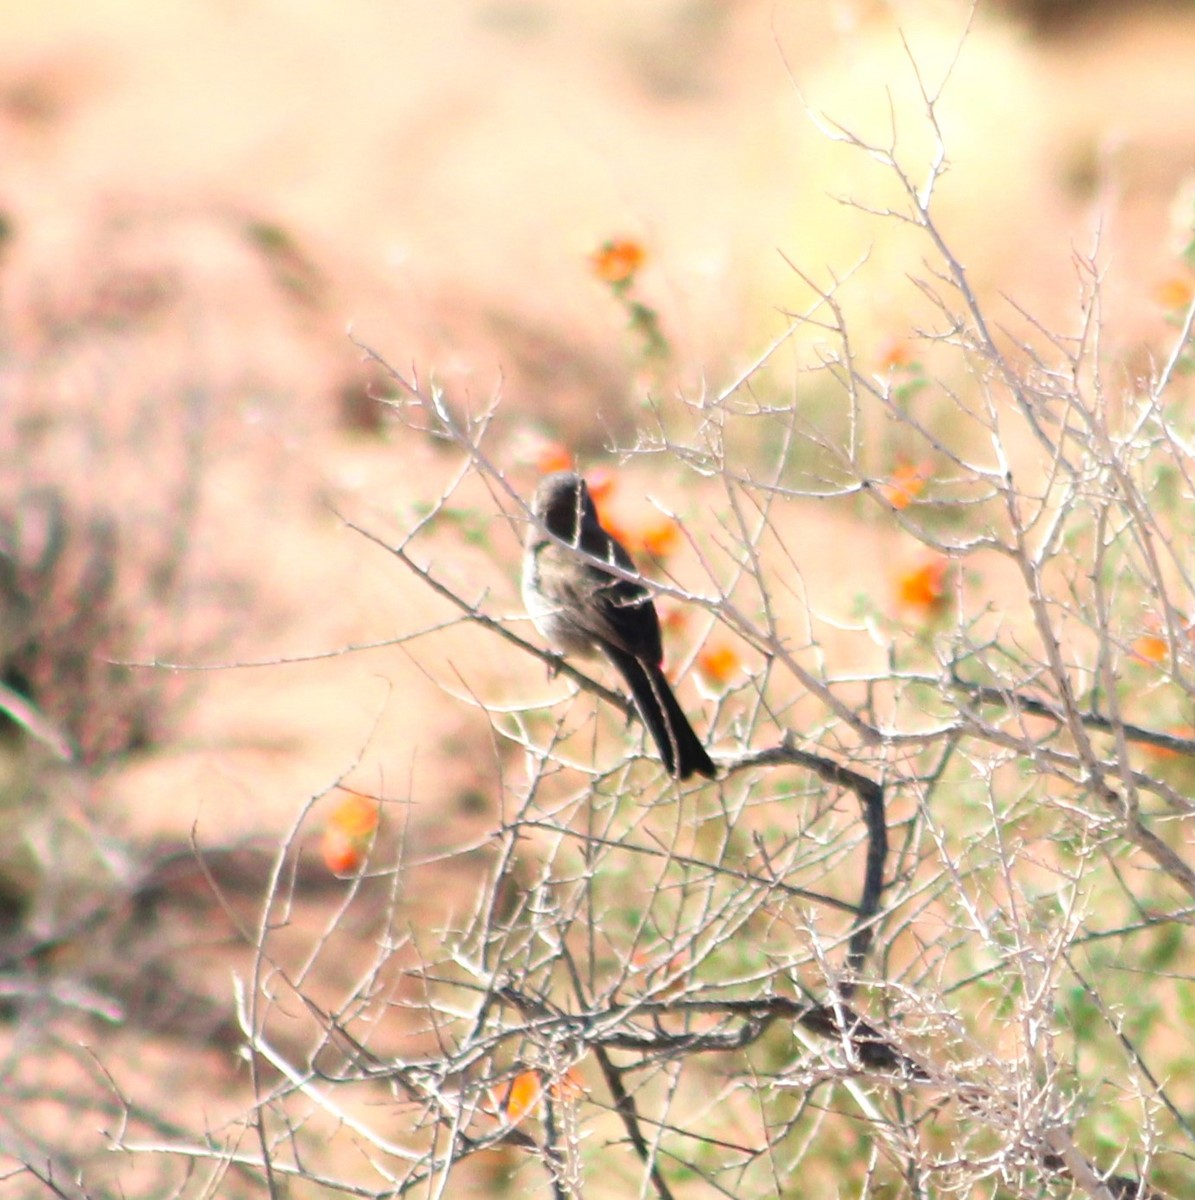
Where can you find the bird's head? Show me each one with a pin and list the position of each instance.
(563, 503)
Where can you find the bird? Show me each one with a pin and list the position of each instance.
(581, 609)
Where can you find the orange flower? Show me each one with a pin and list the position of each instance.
(717, 663)
(616, 261)
(907, 483)
(357, 815)
(660, 537)
(601, 482)
(1175, 292)
(552, 456)
(569, 1086)
(617, 530)
(532, 448)
(522, 1095)
(1182, 731)
(924, 586)
(674, 618)
(349, 834)
(341, 854)
(1150, 648)
(895, 353)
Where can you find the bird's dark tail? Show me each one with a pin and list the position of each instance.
(679, 745)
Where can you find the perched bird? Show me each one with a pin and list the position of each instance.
(581, 609)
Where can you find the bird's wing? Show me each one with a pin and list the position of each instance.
(626, 616)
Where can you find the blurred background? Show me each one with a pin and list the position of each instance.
(198, 200)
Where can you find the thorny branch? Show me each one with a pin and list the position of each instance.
(639, 1029)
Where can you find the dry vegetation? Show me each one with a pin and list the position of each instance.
(314, 884)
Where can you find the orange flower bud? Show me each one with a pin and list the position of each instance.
(907, 483)
(1176, 292)
(718, 663)
(349, 833)
(661, 537)
(616, 261)
(924, 586)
